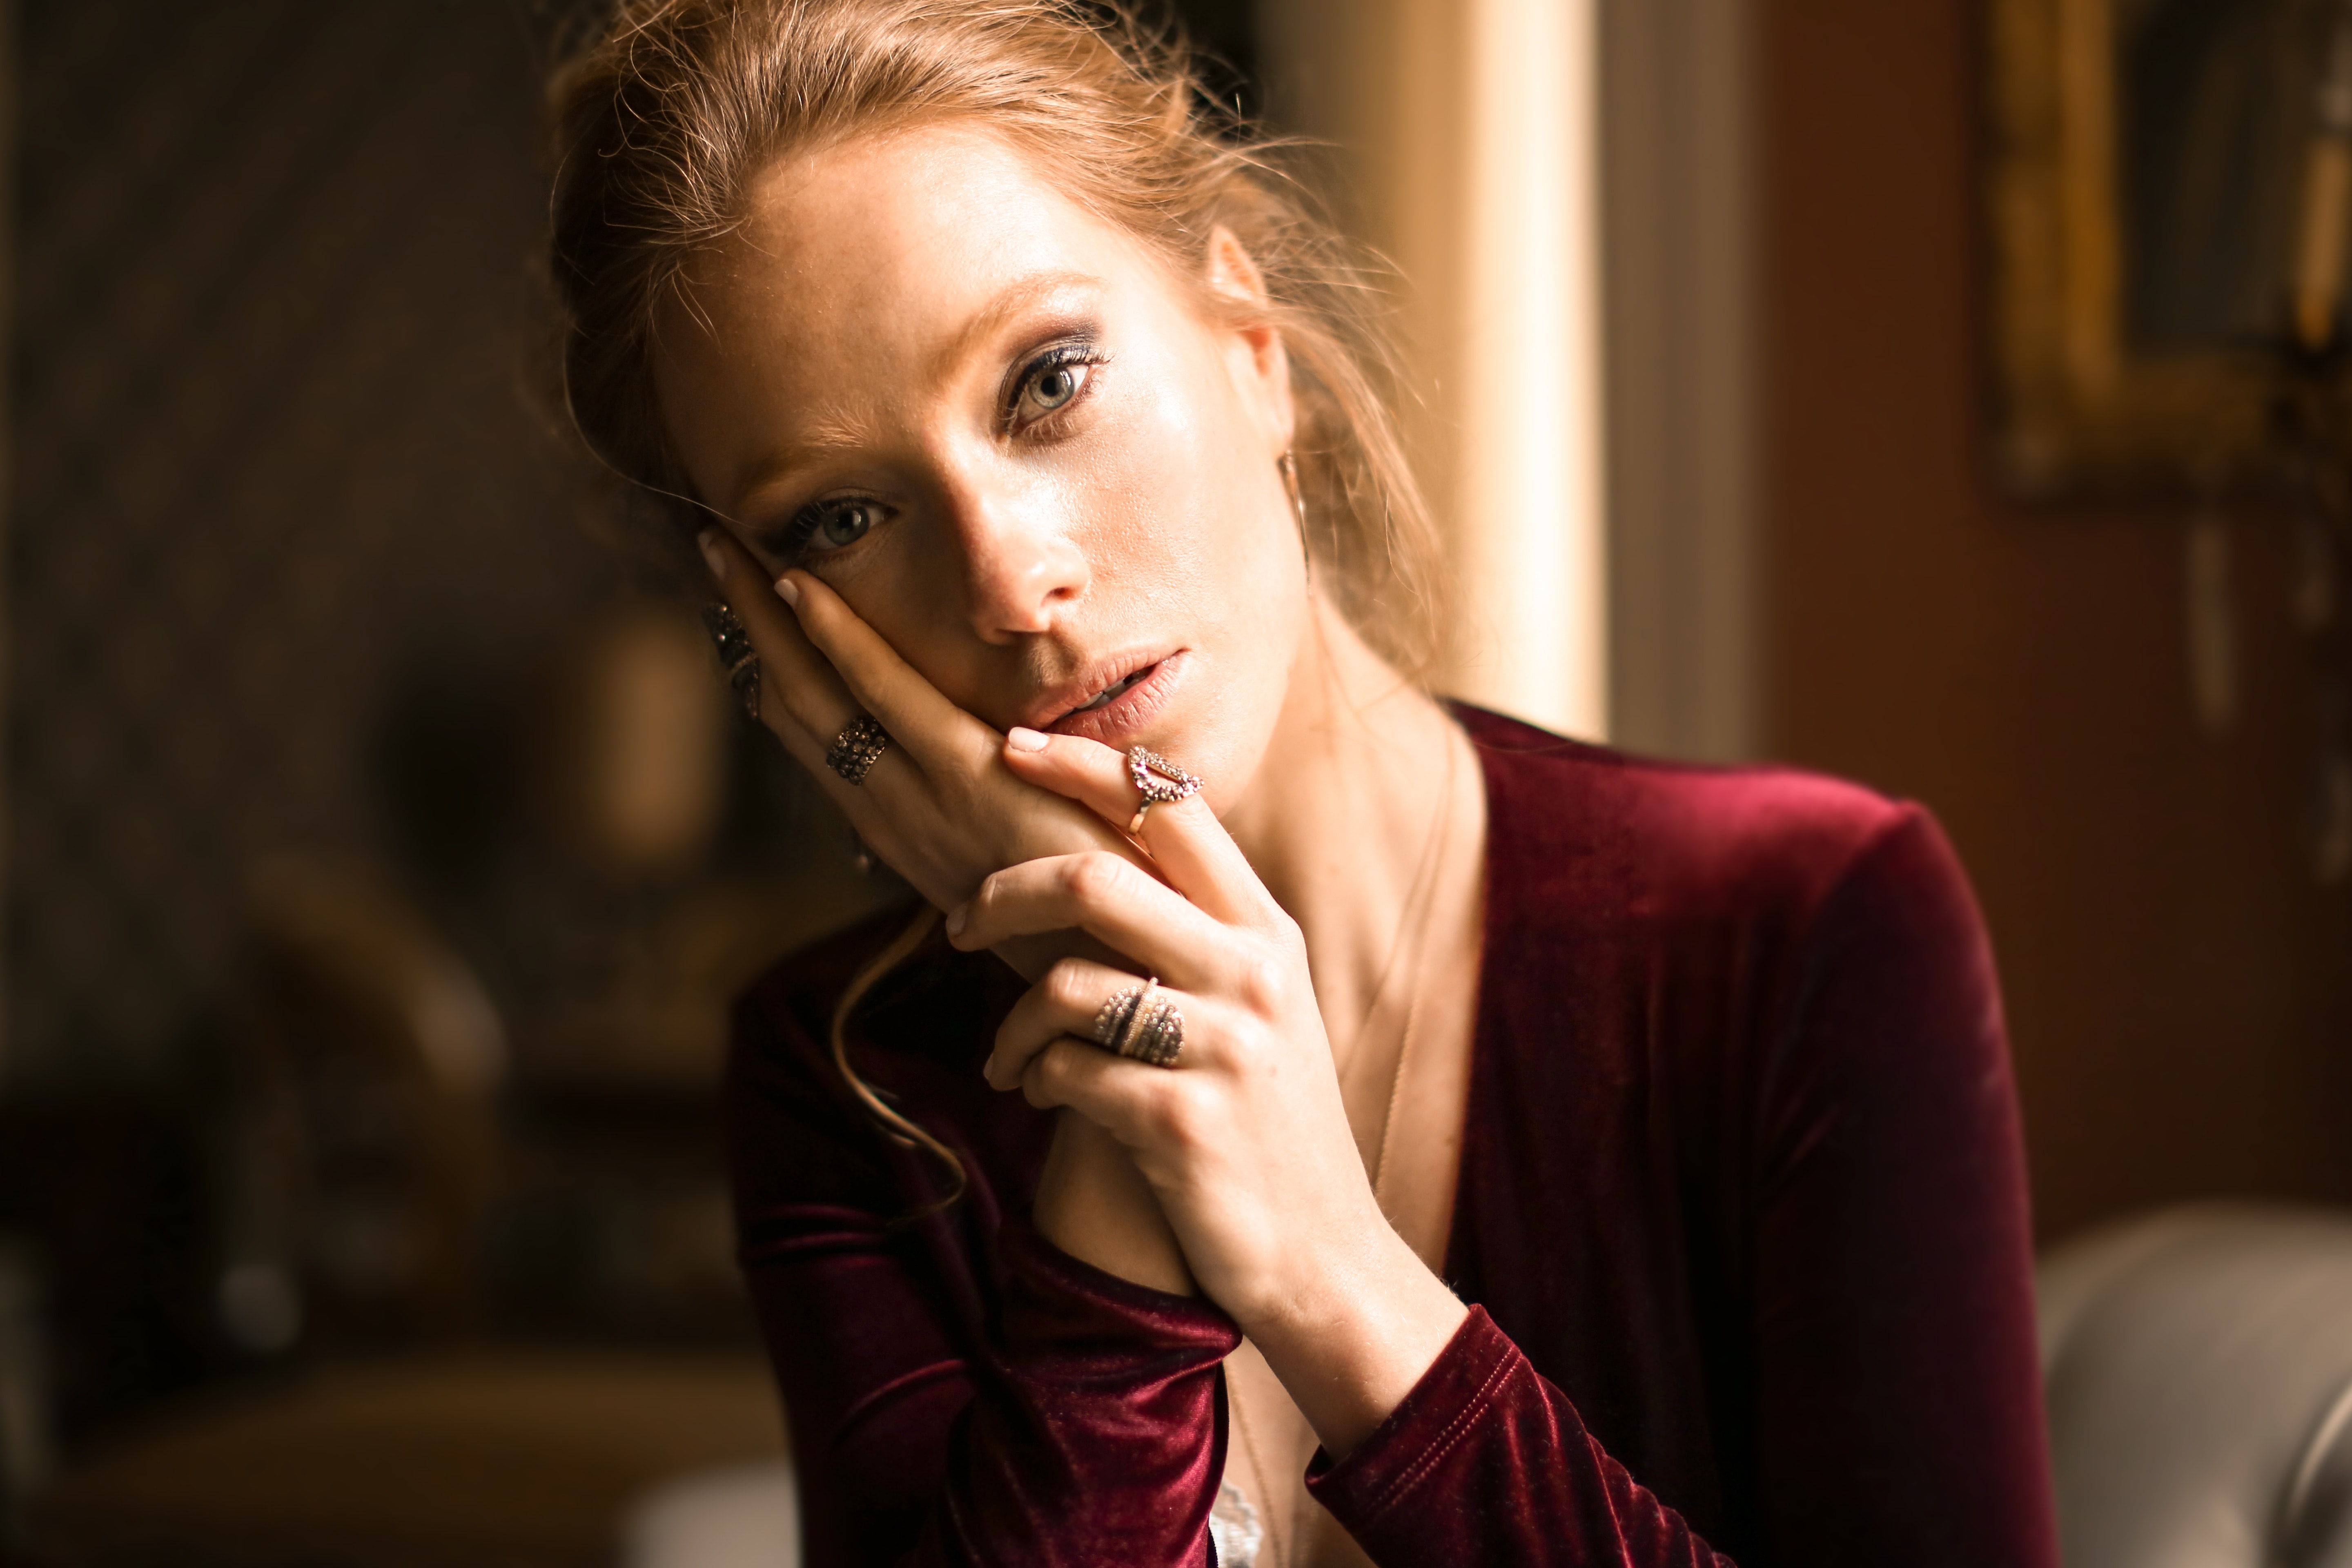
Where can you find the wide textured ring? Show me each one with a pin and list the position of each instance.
(858, 748)
(1158, 782)
(1141, 1023)
(737, 656)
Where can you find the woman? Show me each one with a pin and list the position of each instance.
(1408, 1136)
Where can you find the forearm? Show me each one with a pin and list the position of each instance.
(1094, 1204)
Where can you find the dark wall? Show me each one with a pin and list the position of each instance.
(275, 468)
(2180, 992)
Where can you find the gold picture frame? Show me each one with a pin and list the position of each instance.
(2079, 405)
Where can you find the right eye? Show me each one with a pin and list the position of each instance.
(829, 525)
(844, 523)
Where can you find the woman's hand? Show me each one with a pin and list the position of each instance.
(938, 806)
(1246, 1141)
(942, 810)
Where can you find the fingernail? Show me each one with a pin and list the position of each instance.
(708, 540)
(1025, 740)
(788, 591)
(958, 917)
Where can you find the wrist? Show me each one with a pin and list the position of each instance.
(1350, 1340)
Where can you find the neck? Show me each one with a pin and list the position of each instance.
(1363, 769)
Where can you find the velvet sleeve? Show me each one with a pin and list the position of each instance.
(1891, 1374)
(958, 1391)
(1484, 1461)
(1898, 1393)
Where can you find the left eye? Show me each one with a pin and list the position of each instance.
(1055, 386)
(1049, 388)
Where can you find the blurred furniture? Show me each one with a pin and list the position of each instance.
(28, 1454)
(404, 1183)
(2198, 1366)
(488, 1460)
(371, 1159)
(748, 1517)
(374, 1061)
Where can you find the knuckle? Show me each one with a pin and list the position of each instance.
(1181, 1117)
(1164, 1118)
(1248, 1047)
(1065, 985)
(1263, 981)
(975, 756)
(1289, 933)
(1094, 876)
(1040, 1081)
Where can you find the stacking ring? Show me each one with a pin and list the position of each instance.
(737, 656)
(1158, 781)
(1142, 1025)
(855, 750)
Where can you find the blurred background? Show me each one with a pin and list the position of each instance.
(381, 857)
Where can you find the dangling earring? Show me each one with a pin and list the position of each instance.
(1290, 467)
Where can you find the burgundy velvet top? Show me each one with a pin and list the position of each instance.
(1741, 1217)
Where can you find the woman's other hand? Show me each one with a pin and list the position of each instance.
(1246, 1141)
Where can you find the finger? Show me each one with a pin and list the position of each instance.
(1190, 846)
(1146, 1109)
(1127, 1099)
(1108, 898)
(881, 682)
(802, 697)
(1067, 1000)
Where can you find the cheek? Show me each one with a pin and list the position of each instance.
(1206, 550)
(1176, 510)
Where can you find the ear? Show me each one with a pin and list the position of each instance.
(1254, 352)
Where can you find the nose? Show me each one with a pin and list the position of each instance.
(1022, 568)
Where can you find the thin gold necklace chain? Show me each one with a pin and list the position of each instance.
(1419, 901)
(1433, 857)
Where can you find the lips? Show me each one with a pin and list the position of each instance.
(1114, 703)
(1112, 692)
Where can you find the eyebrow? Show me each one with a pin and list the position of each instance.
(834, 436)
(990, 317)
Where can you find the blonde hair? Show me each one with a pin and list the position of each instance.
(665, 121)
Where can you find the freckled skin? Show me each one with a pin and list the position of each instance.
(1151, 519)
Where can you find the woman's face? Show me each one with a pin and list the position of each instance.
(1009, 439)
